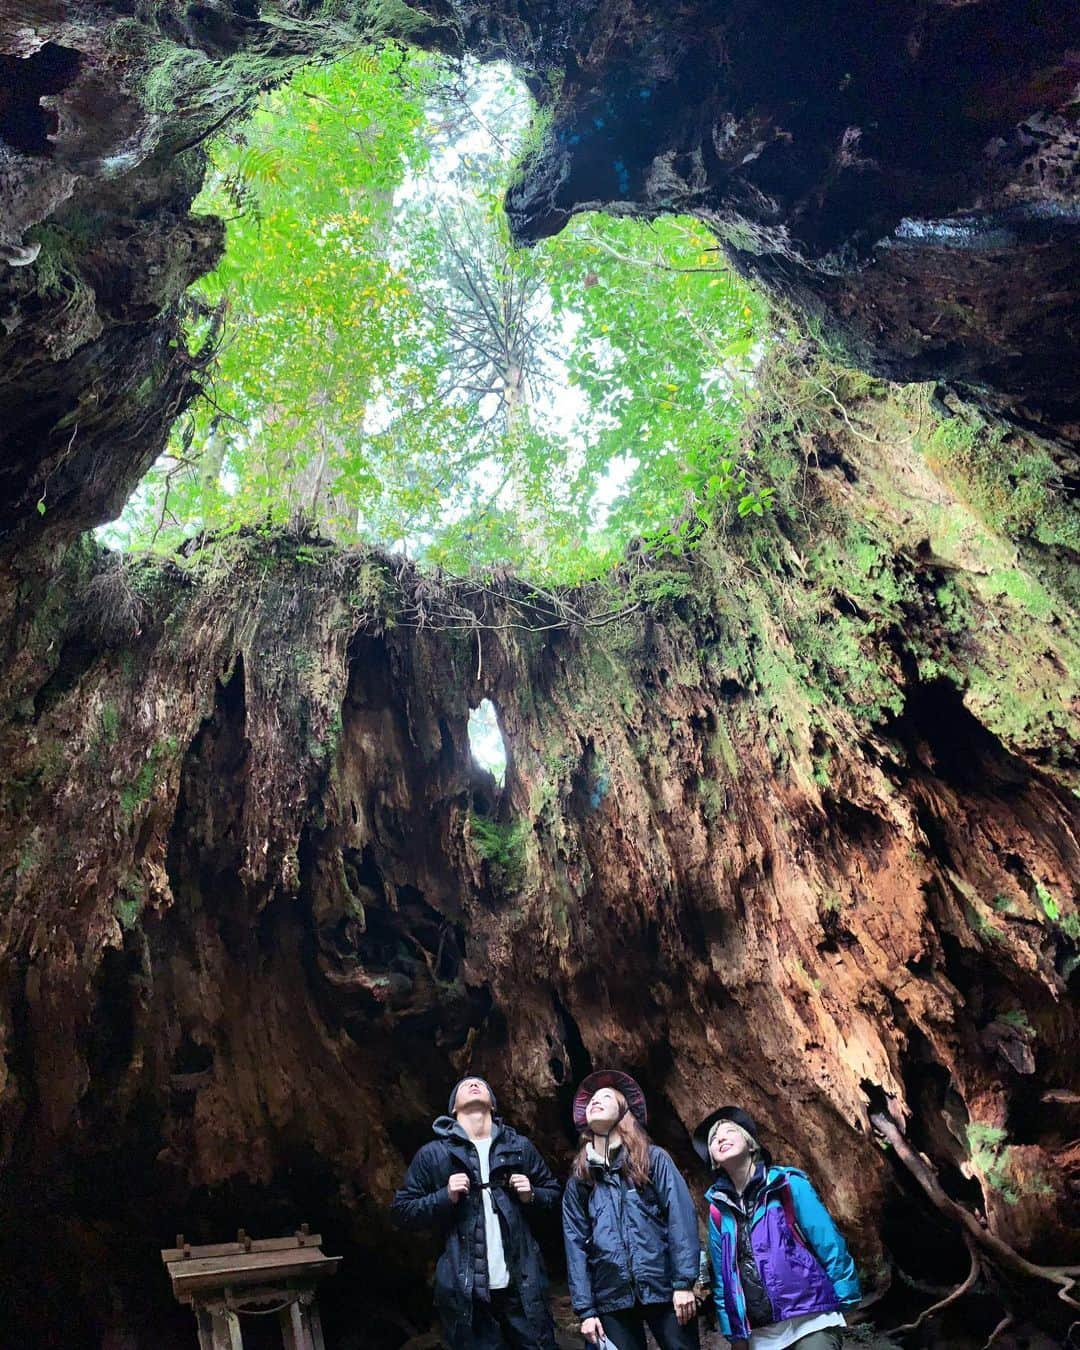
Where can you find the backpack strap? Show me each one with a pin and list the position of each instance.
(658, 1196)
(787, 1200)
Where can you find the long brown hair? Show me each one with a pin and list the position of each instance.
(635, 1142)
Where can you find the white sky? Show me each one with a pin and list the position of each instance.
(501, 108)
(486, 742)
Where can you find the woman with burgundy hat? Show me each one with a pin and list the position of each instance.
(782, 1272)
(629, 1225)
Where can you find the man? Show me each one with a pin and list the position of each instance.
(474, 1182)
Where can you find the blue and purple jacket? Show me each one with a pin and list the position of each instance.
(804, 1263)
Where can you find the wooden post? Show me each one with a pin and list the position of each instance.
(300, 1329)
(227, 1334)
(236, 1338)
(205, 1323)
(220, 1339)
(316, 1327)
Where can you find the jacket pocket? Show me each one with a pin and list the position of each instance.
(446, 1283)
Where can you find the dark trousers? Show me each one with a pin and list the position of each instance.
(626, 1329)
(832, 1338)
(503, 1325)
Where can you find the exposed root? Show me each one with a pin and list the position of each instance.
(982, 1243)
(961, 1289)
(921, 1286)
(448, 603)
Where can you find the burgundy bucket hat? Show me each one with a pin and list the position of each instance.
(610, 1078)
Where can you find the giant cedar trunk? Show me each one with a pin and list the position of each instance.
(794, 836)
(798, 830)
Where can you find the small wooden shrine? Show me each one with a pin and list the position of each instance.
(231, 1285)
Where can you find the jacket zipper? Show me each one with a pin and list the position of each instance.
(622, 1239)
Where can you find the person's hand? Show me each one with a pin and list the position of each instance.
(521, 1186)
(593, 1330)
(457, 1186)
(685, 1305)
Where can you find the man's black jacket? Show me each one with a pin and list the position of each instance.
(461, 1274)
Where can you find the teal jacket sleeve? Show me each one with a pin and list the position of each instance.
(825, 1239)
(722, 1313)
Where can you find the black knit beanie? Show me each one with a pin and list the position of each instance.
(453, 1094)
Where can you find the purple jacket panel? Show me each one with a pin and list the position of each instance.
(795, 1280)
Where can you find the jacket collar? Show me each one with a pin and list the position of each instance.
(601, 1161)
(451, 1129)
(762, 1182)
(452, 1133)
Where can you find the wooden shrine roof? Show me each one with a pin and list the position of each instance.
(246, 1262)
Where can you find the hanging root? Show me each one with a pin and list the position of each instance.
(961, 1289)
(983, 1245)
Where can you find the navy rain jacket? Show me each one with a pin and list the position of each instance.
(627, 1246)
